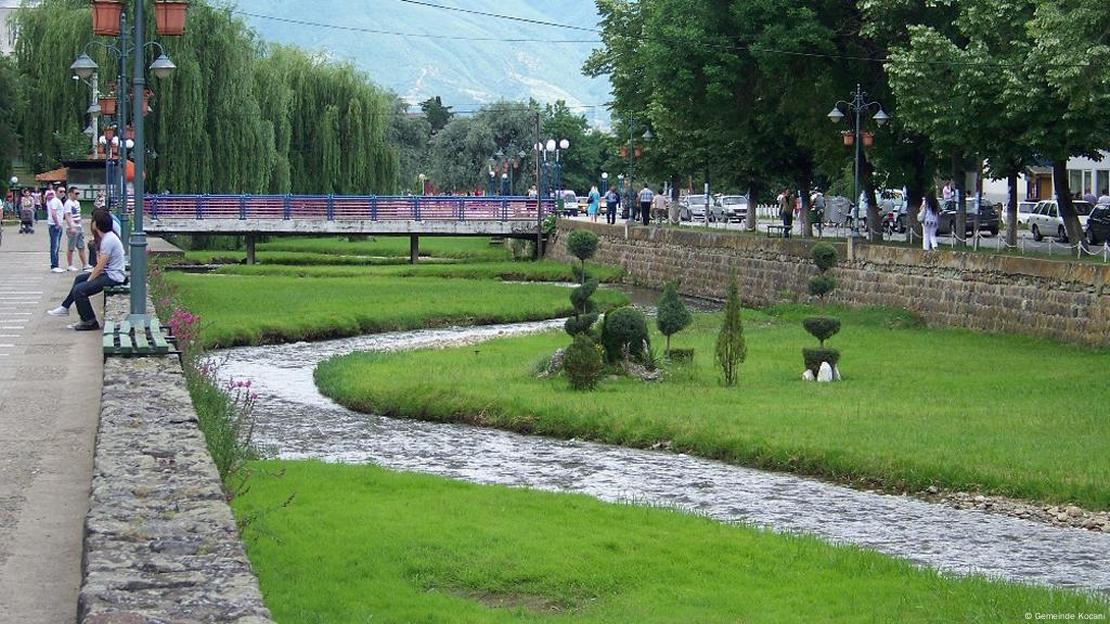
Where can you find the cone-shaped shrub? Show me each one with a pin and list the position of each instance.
(731, 349)
(671, 315)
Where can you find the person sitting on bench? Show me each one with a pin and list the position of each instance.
(107, 272)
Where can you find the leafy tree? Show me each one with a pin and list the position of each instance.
(581, 163)
(671, 314)
(11, 108)
(731, 350)
(436, 113)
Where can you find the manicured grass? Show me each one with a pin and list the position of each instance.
(296, 258)
(1003, 414)
(239, 310)
(468, 248)
(361, 544)
(543, 271)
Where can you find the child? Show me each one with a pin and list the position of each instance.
(26, 213)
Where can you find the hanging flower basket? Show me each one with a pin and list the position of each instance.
(849, 137)
(169, 17)
(107, 105)
(868, 139)
(105, 14)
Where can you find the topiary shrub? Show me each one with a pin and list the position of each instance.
(731, 349)
(582, 244)
(671, 315)
(582, 363)
(822, 327)
(624, 329)
(814, 357)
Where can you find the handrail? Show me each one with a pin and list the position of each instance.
(346, 207)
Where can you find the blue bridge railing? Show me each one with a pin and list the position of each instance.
(346, 207)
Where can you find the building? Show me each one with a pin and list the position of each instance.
(7, 32)
(1085, 175)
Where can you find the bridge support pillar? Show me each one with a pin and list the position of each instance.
(250, 248)
(414, 248)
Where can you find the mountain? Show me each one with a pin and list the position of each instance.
(466, 73)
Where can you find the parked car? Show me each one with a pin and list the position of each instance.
(1025, 208)
(694, 207)
(1098, 225)
(570, 204)
(734, 208)
(987, 213)
(1045, 220)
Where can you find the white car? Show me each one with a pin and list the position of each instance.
(1025, 208)
(734, 208)
(1045, 220)
(570, 204)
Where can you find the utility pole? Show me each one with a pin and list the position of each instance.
(539, 197)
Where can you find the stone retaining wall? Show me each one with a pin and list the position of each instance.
(1067, 301)
(161, 544)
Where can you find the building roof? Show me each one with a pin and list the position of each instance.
(54, 175)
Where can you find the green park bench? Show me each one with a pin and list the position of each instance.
(121, 339)
(122, 289)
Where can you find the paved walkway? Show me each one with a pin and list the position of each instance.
(50, 380)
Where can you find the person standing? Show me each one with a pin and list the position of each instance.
(659, 207)
(75, 231)
(930, 220)
(947, 193)
(108, 272)
(55, 217)
(645, 203)
(612, 200)
(786, 212)
(594, 201)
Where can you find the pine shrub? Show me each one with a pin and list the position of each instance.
(731, 349)
(624, 330)
(582, 363)
(671, 315)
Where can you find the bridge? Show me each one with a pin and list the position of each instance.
(413, 216)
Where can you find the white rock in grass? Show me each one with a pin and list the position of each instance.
(836, 373)
(808, 375)
(825, 374)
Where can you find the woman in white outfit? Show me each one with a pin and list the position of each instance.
(930, 220)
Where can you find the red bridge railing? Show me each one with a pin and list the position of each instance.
(345, 207)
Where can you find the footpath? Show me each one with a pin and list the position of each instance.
(50, 382)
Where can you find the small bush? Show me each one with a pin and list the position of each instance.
(731, 348)
(671, 314)
(582, 363)
(681, 355)
(624, 329)
(821, 285)
(814, 357)
(824, 256)
(822, 327)
(582, 244)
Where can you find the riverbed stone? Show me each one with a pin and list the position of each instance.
(808, 375)
(825, 375)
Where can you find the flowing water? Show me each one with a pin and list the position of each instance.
(294, 421)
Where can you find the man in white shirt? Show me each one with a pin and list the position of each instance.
(75, 231)
(55, 217)
(646, 196)
(110, 264)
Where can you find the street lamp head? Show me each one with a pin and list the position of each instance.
(103, 140)
(835, 115)
(648, 135)
(504, 176)
(564, 144)
(88, 131)
(550, 145)
(14, 180)
(94, 108)
(84, 67)
(162, 67)
(422, 177)
(129, 144)
(604, 175)
(500, 153)
(538, 147)
(881, 117)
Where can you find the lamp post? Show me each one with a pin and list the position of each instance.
(489, 184)
(162, 67)
(423, 184)
(504, 184)
(604, 182)
(557, 146)
(856, 106)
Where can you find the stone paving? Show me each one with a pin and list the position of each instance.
(50, 381)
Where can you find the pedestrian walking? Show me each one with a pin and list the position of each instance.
(646, 195)
(817, 211)
(108, 272)
(948, 193)
(929, 217)
(786, 211)
(612, 200)
(55, 217)
(593, 203)
(659, 207)
(75, 231)
(27, 213)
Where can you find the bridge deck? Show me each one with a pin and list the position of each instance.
(435, 215)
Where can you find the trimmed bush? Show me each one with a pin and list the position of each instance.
(624, 329)
(821, 285)
(582, 363)
(585, 310)
(671, 314)
(822, 327)
(582, 244)
(824, 256)
(814, 357)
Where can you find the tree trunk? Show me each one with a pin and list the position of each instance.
(916, 186)
(874, 221)
(1063, 201)
(1011, 209)
(959, 228)
(753, 201)
(807, 227)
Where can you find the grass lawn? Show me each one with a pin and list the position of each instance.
(297, 258)
(542, 271)
(240, 310)
(362, 544)
(459, 247)
(1003, 414)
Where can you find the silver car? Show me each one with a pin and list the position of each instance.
(734, 208)
(695, 207)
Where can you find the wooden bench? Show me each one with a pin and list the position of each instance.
(121, 339)
(776, 230)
